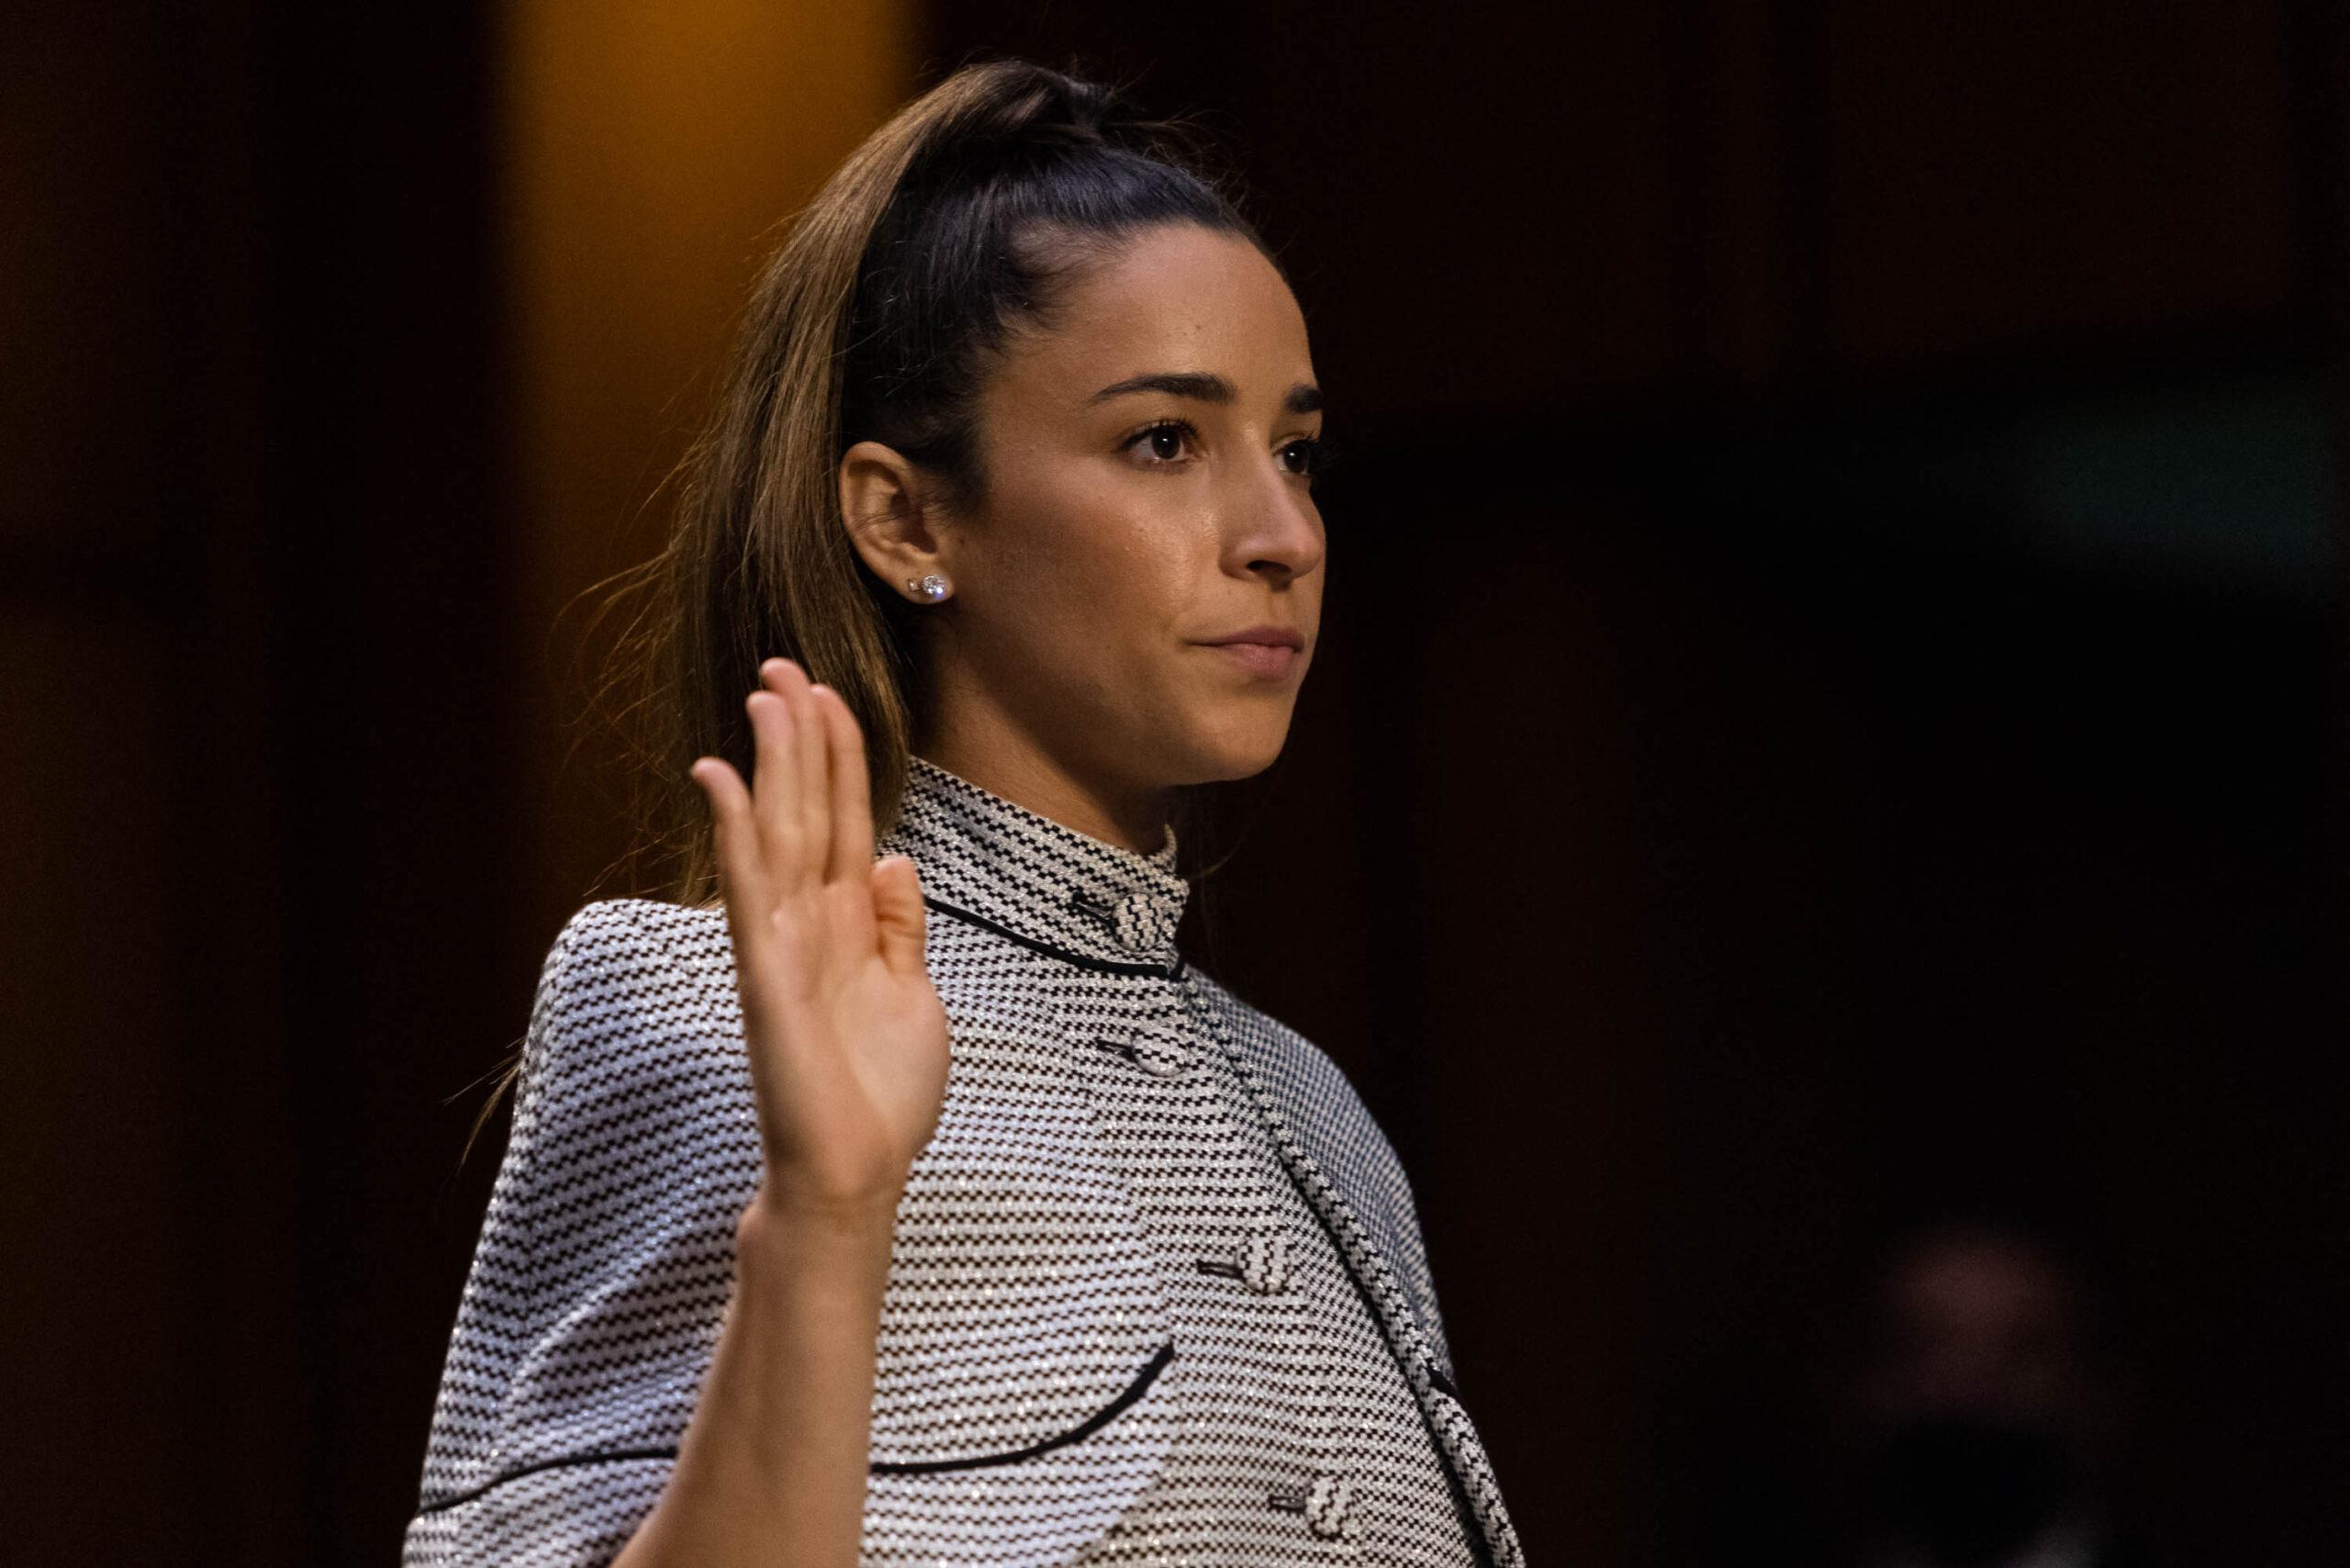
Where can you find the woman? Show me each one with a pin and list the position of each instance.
(909, 1198)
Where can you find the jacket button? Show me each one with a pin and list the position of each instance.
(1329, 1506)
(1139, 923)
(1160, 1059)
(1264, 1262)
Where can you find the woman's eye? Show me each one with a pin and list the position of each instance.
(1165, 440)
(1309, 456)
(1163, 444)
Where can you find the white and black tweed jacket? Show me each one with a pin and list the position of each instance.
(1157, 1292)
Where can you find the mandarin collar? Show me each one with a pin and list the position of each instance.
(988, 860)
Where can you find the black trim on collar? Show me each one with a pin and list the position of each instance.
(1083, 961)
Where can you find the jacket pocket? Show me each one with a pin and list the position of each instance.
(1035, 1507)
(1133, 1395)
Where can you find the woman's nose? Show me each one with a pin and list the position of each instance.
(1277, 524)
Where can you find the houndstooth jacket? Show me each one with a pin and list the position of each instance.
(1157, 1291)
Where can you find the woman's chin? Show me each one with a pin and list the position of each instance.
(1241, 753)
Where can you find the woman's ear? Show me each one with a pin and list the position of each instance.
(888, 514)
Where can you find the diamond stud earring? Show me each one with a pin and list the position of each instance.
(933, 587)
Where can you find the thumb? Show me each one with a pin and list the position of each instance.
(899, 913)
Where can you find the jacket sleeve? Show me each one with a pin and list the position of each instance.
(606, 1258)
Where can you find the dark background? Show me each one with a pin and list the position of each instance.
(1830, 703)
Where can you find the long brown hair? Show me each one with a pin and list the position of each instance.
(957, 220)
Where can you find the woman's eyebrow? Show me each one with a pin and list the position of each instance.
(1207, 387)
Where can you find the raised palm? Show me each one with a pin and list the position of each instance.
(846, 1036)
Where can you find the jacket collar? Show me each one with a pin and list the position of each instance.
(986, 859)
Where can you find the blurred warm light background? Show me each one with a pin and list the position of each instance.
(652, 155)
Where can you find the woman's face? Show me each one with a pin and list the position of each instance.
(1147, 462)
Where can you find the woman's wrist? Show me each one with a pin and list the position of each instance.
(780, 1223)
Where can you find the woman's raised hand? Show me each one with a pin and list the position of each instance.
(846, 1036)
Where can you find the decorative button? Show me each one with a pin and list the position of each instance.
(1160, 1059)
(1327, 1503)
(1136, 920)
(1329, 1506)
(1264, 1263)
(1140, 925)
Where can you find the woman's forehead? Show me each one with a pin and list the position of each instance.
(1178, 298)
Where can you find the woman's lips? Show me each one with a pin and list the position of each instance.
(1270, 660)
